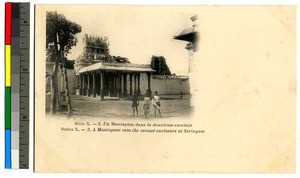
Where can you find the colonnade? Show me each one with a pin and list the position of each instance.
(110, 84)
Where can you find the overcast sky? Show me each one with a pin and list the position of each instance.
(134, 32)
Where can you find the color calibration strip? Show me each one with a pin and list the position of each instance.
(17, 85)
(8, 30)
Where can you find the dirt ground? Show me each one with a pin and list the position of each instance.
(83, 106)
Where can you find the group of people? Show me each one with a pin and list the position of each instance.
(148, 99)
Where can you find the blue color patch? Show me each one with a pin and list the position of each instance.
(7, 149)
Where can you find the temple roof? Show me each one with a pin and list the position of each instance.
(189, 34)
(124, 67)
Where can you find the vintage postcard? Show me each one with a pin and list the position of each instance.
(165, 89)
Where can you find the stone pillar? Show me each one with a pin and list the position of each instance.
(116, 80)
(120, 85)
(77, 83)
(88, 85)
(124, 84)
(94, 85)
(149, 83)
(117, 87)
(110, 82)
(114, 84)
(85, 85)
(97, 84)
(134, 83)
(81, 84)
(139, 86)
(130, 88)
(101, 86)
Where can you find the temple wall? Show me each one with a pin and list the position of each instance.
(165, 86)
(71, 79)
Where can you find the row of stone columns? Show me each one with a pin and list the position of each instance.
(88, 87)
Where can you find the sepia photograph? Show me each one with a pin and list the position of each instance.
(100, 66)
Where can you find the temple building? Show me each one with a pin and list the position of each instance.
(113, 79)
(100, 74)
(190, 35)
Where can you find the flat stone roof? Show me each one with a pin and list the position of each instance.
(124, 67)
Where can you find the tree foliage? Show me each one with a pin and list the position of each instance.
(61, 30)
(60, 37)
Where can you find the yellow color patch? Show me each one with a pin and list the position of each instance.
(7, 65)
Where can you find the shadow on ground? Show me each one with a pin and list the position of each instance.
(172, 106)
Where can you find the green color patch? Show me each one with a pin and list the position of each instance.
(7, 107)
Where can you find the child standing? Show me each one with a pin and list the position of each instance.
(156, 103)
(147, 103)
(135, 104)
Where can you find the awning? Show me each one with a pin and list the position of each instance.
(189, 34)
(123, 67)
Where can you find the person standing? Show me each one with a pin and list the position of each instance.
(147, 103)
(156, 103)
(135, 104)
